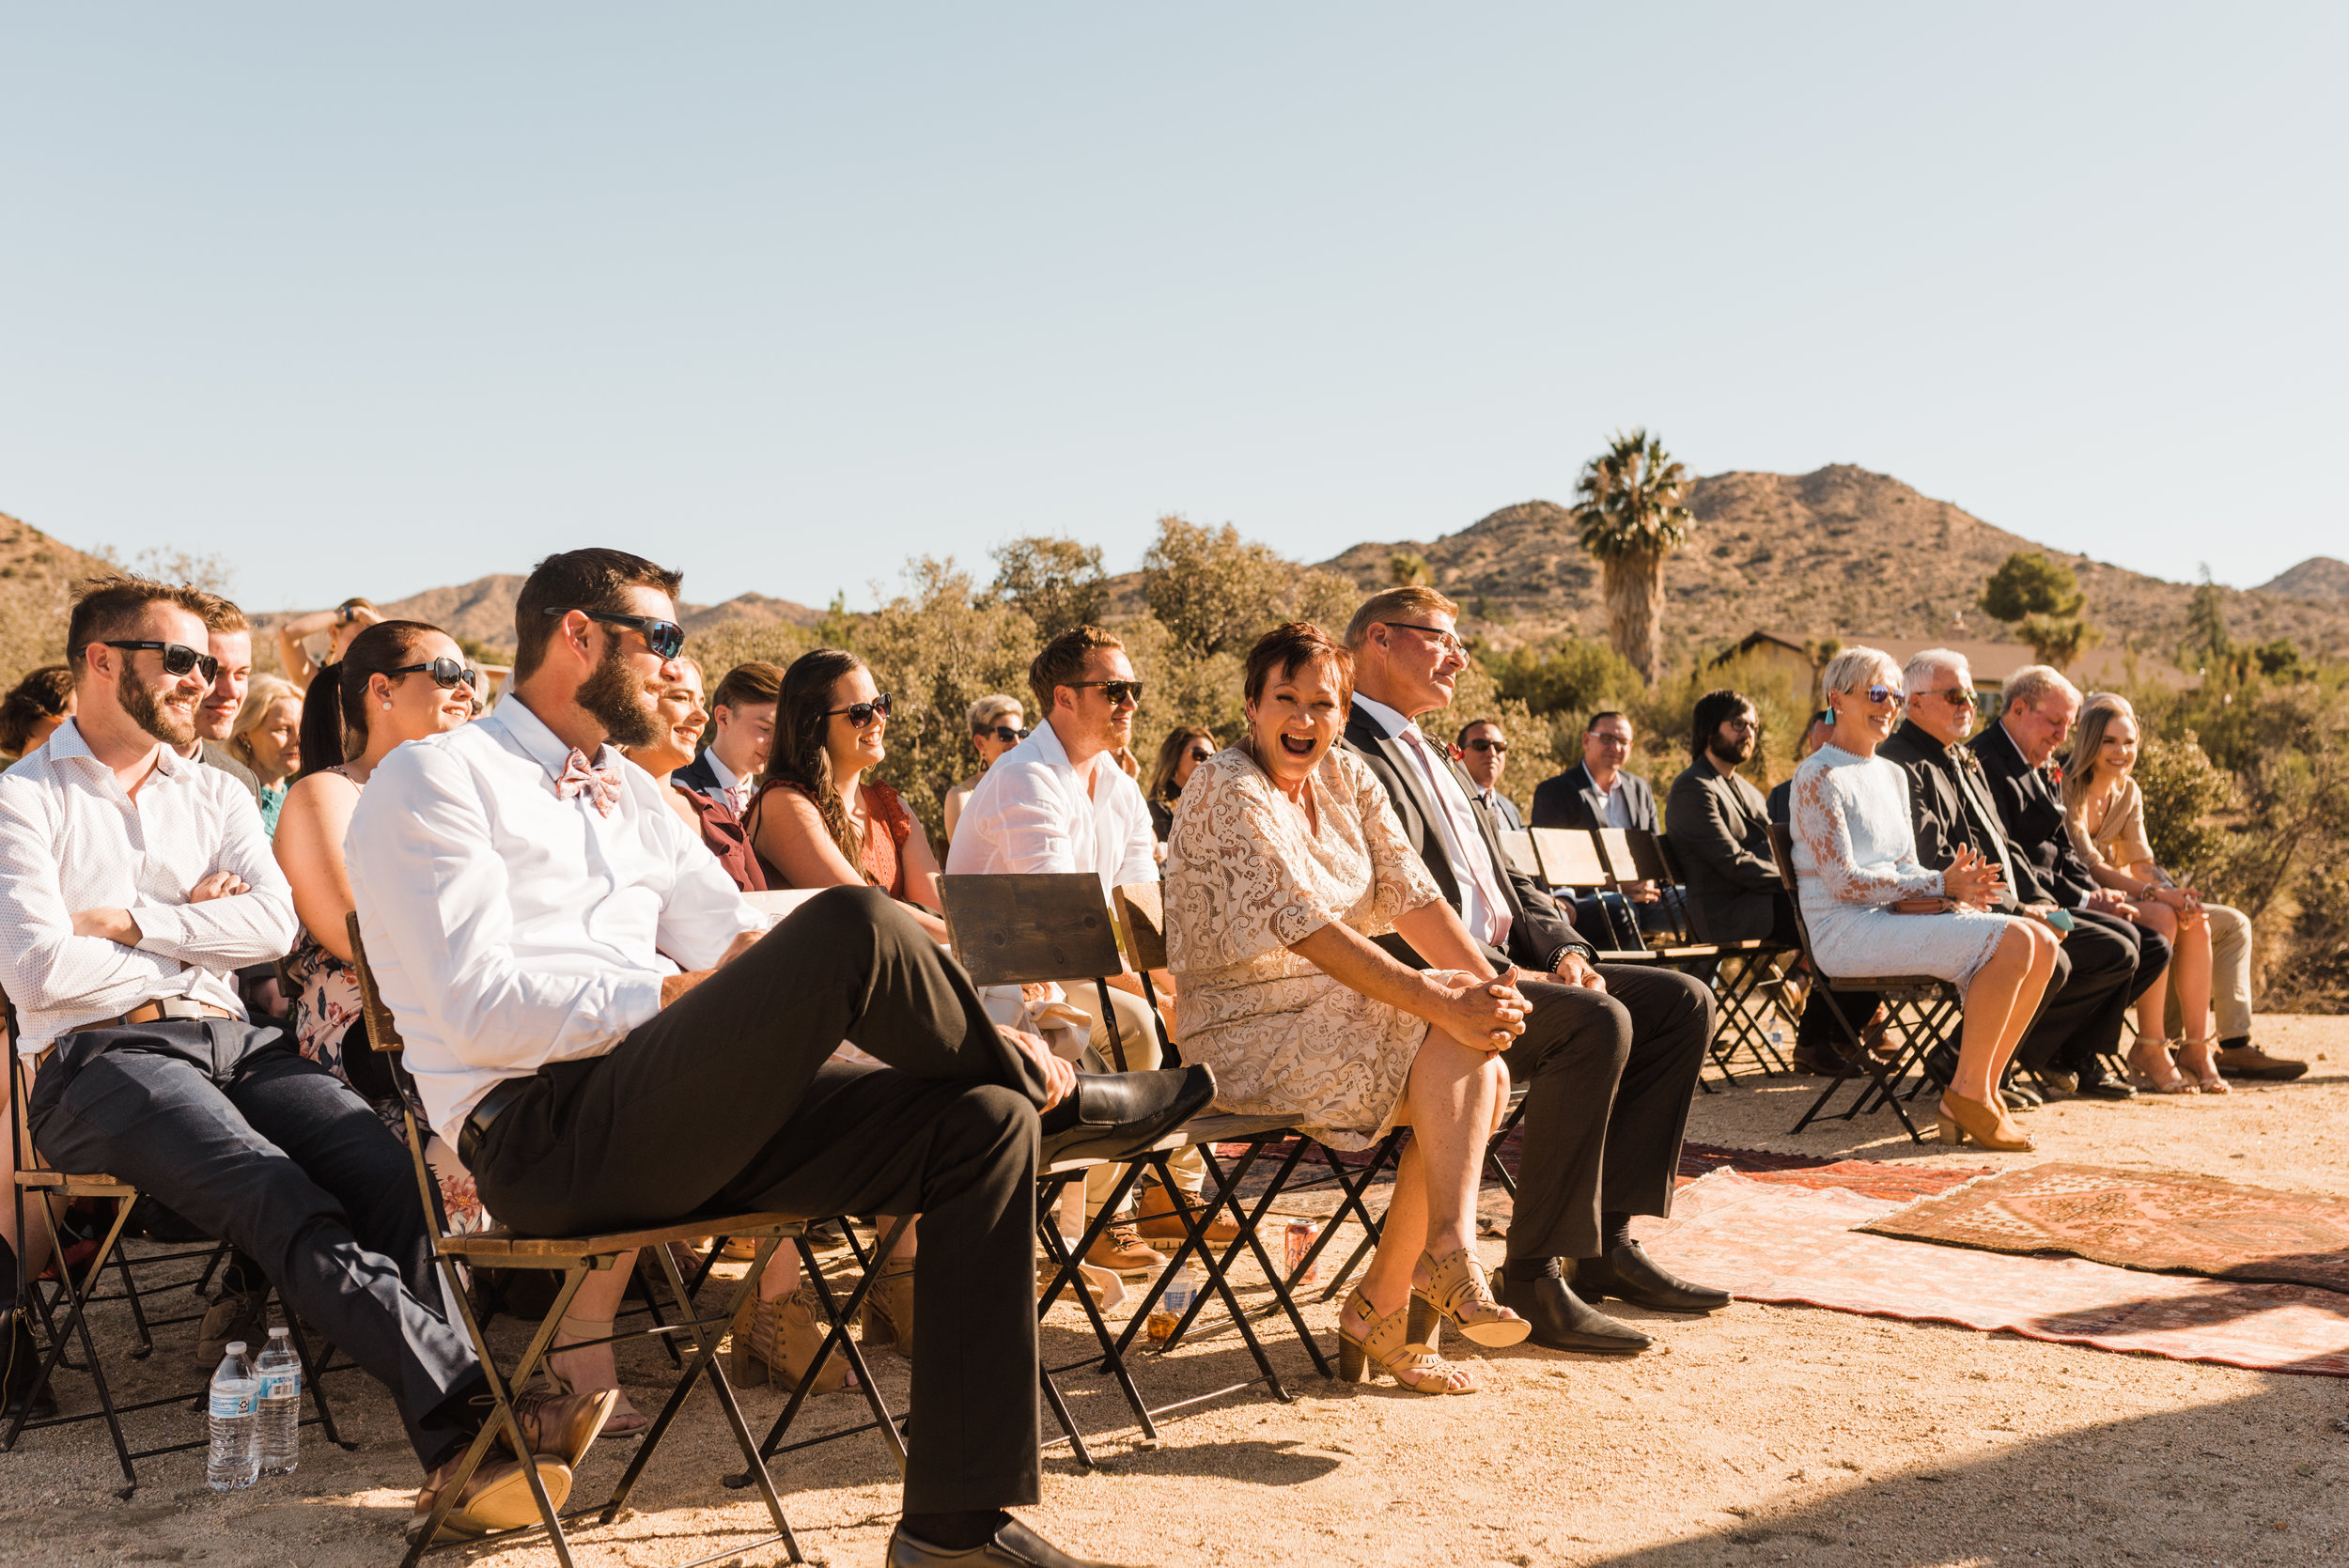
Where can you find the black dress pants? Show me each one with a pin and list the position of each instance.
(234, 1129)
(2087, 997)
(1608, 1076)
(725, 1102)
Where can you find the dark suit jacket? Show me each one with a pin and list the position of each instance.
(1504, 811)
(2033, 820)
(1538, 929)
(699, 777)
(1570, 801)
(1719, 827)
(1950, 810)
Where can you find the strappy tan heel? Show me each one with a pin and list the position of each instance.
(888, 1309)
(1458, 1292)
(2149, 1060)
(2206, 1076)
(626, 1420)
(1368, 1342)
(777, 1339)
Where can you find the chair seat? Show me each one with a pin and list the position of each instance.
(500, 1245)
(1690, 950)
(95, 1184)
(1892, 985)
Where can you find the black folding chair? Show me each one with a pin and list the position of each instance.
(1570, 863)
(1921, 1006)
(576, 1257)
(1746, 978)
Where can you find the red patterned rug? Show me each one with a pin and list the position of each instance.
(1775, 1241)
(2156, 1220)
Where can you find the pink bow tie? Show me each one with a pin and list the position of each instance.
(603, 784)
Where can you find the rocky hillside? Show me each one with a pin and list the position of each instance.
(483, 610)
(2319, 577)
(38, 576)
(1836, 552)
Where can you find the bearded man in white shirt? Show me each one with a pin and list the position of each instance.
(610, 1036)
(132, 883)
(1059, 802)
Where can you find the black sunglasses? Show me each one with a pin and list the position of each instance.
(861, 714)
(179, 659)
(666, 639)
(1118, 691)
(445, 672)
(1482, 744)
(1003, 733)
(1200, 754)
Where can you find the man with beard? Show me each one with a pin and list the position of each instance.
(1615, 1084)
(611, 1037)
(229, 637)
(1059, 802)
(132, 884)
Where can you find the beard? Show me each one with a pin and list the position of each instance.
(1736, 753)
(616, 697)
(146, 708)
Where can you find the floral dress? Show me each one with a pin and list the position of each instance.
(1244, 880)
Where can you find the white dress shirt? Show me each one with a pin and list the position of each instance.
(1484, 908)
(509, 927)
(71, 839)
(1618, 812)
(1031, 812)
(738, 790)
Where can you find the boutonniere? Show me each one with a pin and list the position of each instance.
(2055, 773)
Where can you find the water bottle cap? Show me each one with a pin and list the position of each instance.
(235, 1347)
(277, 1333)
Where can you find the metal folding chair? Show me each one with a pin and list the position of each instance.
(1747, 979)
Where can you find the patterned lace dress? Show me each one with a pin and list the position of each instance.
(1856, 854)
(1244, 880)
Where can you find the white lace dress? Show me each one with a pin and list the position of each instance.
(1243, 881)
(1855, 854)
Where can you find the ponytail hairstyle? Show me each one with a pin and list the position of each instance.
(335, 713)
(799, 757)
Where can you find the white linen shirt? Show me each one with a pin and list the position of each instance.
(1483, 911)
(71, 839)
(509, 928)
(1030, 813)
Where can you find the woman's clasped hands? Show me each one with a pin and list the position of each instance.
(1482, 1015)
(1972, 880)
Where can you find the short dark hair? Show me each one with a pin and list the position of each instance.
(749, 685)
(109, 606)
(1713, 709)
(219, 614)
(1602, 715)
(1461, 738)
(1290, 645)
(578, 580)
(41, 694)
(1063, 660)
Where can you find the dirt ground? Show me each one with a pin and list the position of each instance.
(1763, 1435)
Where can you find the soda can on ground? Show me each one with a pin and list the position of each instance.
(1298, 1240)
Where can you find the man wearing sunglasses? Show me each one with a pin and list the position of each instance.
(610, 1035)
(1483, 752)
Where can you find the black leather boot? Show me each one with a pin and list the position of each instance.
(1115, 1115)
(1563, 1321)
(1629, 1274)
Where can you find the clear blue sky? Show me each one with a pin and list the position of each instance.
(782, 295)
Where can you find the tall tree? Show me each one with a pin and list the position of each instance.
(1056, 583)
(2042, 599)
(1628, 503)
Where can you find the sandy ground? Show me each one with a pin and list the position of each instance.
(1761, 1435)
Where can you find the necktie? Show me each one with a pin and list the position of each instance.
(1467, 844)
(601, 784)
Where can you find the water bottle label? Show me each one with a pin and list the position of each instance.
(229, 1403)
(282, 1384)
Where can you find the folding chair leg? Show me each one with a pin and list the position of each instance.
(1064, 1261)
(310, 1379)
(77, 1324)
(1218, 1271)
(130, 1293)
(652, 1306)
(840, 1339)
(1385, 1155)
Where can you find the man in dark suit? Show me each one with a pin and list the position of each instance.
(1483, 752)
(741, 732)
(1596, 792)
(1650, 1026)
(1949, 808)
(2037, 706)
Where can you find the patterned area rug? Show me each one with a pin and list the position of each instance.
(1771, 1241)
(2163, 1222)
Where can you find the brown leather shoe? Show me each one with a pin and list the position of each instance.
(1120, 1251)
(2251, 1062)
(1162, 1228)
(559, 1423)
(496, 1497)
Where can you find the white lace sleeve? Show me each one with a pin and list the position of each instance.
(1824, 827)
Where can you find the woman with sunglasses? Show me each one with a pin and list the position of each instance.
(997, 723)
(1873, 909)
(1184, 749)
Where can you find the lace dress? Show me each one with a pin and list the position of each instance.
(1243, 880)
(1855, 854)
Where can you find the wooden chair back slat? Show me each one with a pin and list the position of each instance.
(383, 1033)
(1569, 858)
(1648, 863)
(1517, 845)
(1022, 929)
(1142, 921)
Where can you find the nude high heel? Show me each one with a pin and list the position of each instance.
(2206, 1071)
(1458, 1292)
(1368, 1342)
(1960, 1119)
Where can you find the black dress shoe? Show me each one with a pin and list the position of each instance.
(2097, 1084)
(1563, 1321)
(1112, 1116)
(1941, 1064)
(1013, 1545)
(1821, 1063)
(1629, 1274)
(2020, 1096)
(23, 1365)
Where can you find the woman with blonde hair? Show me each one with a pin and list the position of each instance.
(268, 740)
(997, 723)
(1871, 907)
(2104, 811)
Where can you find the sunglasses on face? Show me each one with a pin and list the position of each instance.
(179, 659)
(1119, 693)
(1498, 748)
(1445, 640)
(1956, 697)
(446, 673)
(666, 639)
(1199, 753)
(1881, 693)
(862, 714)
(1007, 735)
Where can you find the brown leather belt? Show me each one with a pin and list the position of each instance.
(155, 1011)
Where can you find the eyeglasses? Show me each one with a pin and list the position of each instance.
(666, 639)
(446, 672)
(1881, 693)
(1003, 733)
(1956, 697)
(1445, 640)
(179, 659)
(1119, 693)
(1498, 748)
(862, 714)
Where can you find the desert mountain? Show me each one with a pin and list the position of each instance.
(483, 611)
(1836, 552)
(2318, 576)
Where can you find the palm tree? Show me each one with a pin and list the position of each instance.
(1628, 503)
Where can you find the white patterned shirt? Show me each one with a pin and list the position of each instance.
(72, 839)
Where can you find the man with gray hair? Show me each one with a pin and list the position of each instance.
(2087, 997)
(2036, 710)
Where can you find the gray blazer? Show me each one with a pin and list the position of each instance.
(1719, 827)
(1571, 801)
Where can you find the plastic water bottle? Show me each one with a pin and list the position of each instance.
(279, 1372)
(236, 1456)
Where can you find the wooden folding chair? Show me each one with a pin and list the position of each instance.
(576, 1257)
(1570, 860)
(1921, 1006)
(1516, 843)
(52, 1190)
(1739, 972)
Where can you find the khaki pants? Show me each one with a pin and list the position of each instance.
(2229, 977)
(1139, 1033)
